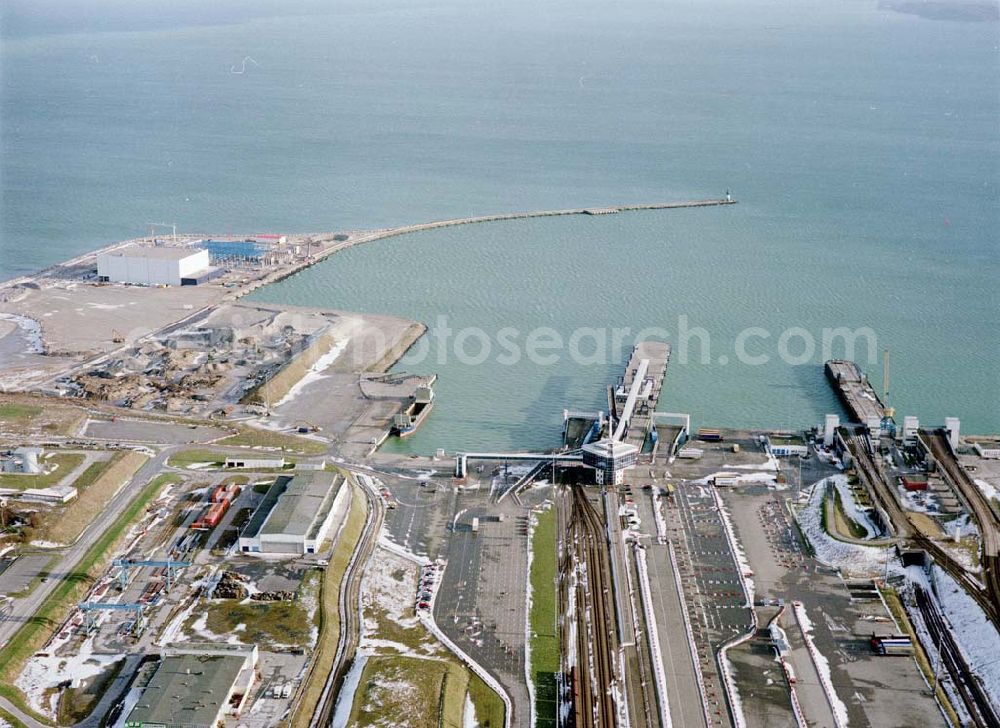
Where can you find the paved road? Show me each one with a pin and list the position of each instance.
(24, 609)
(16, 712)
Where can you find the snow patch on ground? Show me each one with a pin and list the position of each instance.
(198, 466)
(315, 372)
(201, 624)
(851, 558)
(732, 690)
(43, 674)
(988, 490)
(390, 586)
(741, 558)
(173, 631)
(771, 464)
(976, 636)
(30, 329)
(853, 511)
(47, 544)
(916, 575)
(822, 667)
(920, 501)
(532, 523)
(469, 714)
(829, 457)
(309, 599)
(962, 556)
(345, 700)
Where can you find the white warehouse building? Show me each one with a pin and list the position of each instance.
(296, 514)
(153, 266)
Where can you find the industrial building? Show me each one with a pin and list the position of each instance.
(295, 514)
(785, 445)
(155, 266)
(54, 494)
(194, 690)
(610, 459)
(242, 463)
(23, 460)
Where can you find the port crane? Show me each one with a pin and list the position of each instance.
(88, 609)
(888, 424)
(169, 564)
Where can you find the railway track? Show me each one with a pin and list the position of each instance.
(973, 696)
(906, 531)
(593, 676)
(350, 608)
(986, 518)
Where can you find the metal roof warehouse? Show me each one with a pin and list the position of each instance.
(295, 514)
(191, 690)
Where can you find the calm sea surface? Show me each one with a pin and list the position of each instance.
(861, 143)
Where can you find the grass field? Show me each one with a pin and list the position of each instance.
(23, 414)
(268, 438)
(272, 625)
(844, 524)
(489, 707)
(17, 413)
(393, 621)
(72, 586)
(65, 523)
(56, 468)
(269, 624)
(216, 459)
(329, 613)
(398, 690)
(91, 473)
(453, 692)
(543, 619)
(189, 457)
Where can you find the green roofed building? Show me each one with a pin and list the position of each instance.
(295, 514)
(193, 691)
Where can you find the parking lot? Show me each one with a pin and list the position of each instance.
(481, 600)
(875, 690)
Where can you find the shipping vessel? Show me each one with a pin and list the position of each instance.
(406, 422)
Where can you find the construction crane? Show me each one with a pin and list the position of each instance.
(170, 565)
(88, 609)
(171, 225)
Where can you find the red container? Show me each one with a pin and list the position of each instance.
(914, 483)
(212, 515)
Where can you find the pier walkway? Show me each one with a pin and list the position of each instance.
(374, 235)
(856, 392)
(639, 392)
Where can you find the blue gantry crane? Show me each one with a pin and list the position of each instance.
(88, 609)
(169, 564)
